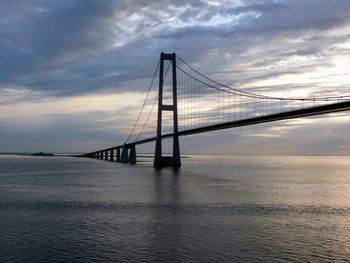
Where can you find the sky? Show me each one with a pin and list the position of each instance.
(74, 74)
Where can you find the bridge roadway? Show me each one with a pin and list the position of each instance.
(324, 109)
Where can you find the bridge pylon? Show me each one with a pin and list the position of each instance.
(160, 160)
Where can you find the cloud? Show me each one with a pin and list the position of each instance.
(56, 54)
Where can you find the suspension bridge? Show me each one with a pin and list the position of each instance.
(189, 103)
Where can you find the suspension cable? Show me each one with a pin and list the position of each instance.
(144, 103)
(154, 103)
(254, 95)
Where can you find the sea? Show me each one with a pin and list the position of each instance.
(213, 209)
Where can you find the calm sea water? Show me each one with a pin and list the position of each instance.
(215, 209)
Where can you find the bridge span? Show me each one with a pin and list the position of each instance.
(198, 104)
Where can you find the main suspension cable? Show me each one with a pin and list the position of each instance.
(254, 95)
(154, 103)
(144, 103)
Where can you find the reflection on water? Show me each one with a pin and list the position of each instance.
(166, 219)
(214, 209)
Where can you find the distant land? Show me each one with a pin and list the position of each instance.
(42, 154)
(26, 154)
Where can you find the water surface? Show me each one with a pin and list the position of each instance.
(215, 209)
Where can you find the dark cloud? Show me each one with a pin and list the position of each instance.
(53, 49)
(74, 47)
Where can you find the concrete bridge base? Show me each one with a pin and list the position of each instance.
(118, 155)
(128, 156)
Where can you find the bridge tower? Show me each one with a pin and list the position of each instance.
(160, 160)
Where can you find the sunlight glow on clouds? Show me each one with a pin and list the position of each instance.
(128, 102)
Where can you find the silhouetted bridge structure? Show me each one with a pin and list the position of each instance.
(191, 103)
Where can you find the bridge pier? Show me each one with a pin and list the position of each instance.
(128, 156)
(125, 151)
(132, 155)
(111, 156)
(118, 155)
(161, 161)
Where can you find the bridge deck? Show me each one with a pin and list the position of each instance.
(330, 108)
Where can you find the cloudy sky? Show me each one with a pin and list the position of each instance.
(74, 74)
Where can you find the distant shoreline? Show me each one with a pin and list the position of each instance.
(185, 156)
